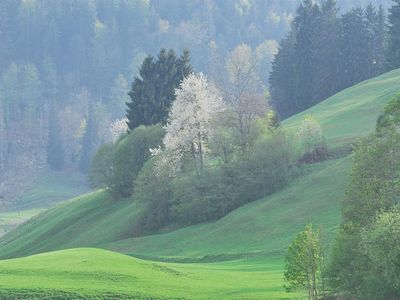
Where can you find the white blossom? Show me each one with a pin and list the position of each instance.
(197, 102)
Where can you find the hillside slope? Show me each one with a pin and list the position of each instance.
(265, 226)
(98, 274)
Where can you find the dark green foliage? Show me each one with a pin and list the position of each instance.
(305, 25)
(55, 150)
(324, 53)
(154, 91)
(154, 189)
(192, 198)
(393, 53)
(354, 46)
(130, 155)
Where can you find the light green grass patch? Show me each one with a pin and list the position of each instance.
(90, 273)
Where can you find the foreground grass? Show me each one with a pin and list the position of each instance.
(92, 273)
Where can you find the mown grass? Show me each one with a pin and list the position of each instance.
(352, 113)
(98, 274)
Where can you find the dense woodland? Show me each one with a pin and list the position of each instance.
(66, 67)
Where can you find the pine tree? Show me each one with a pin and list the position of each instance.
(354, 48)
(281, 81)
(381, 36)
(154, 91)
(184, 66)
(393, 53)
(305, 24)
(375, 21)
(325, 51)
(55, 150)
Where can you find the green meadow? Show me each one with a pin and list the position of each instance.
(239, 256)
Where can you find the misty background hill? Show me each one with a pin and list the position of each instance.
(61, 59)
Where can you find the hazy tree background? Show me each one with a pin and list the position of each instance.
(66, 67)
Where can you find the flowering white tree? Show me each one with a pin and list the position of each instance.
(189, 124)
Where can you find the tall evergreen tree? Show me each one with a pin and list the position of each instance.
(326, 54)
(282, 88)
(375, 21)
(325, 51)
(305, 25)
(154, 91)
(393, 53)
(354, 48)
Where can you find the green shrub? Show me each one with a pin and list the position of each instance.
(115, 167)
(191, 198)
(130, 155)
(101, 171)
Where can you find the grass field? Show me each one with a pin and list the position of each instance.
(93, 273)
(246, 246)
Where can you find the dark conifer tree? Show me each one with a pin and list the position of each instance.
(184, 66)
(281, 81)
(354, 48)
(381, 35)
(375, 21)
(393, 53)
(153, 91)
(326, 74)
(326, 54)
(305, 26)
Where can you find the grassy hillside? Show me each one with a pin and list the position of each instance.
(99, 274)
(87, 220)
(47, 191)
(246, 246)
(352, 113)
(262, 227)
(265, 226)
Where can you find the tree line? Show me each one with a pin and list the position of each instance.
(324, 53)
